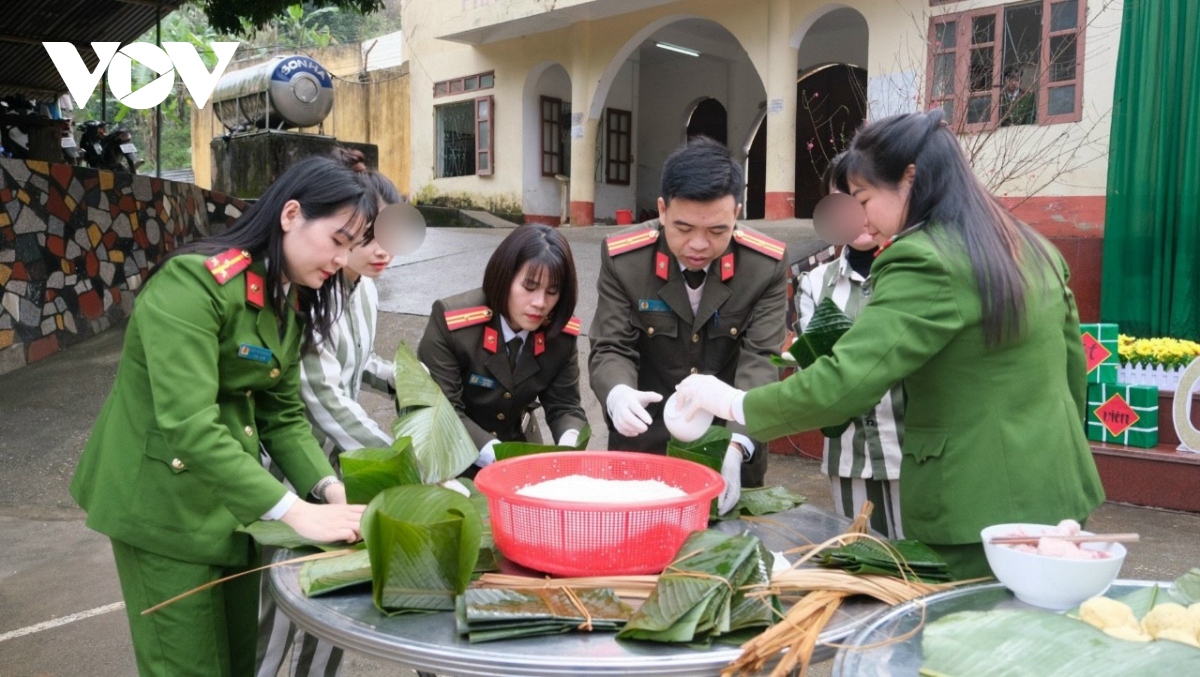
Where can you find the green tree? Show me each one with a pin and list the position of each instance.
(232, 16)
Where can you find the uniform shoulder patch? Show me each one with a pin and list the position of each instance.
(226, 265)
(467, 317)
(760, 243)
(619, 244)
(572, 326)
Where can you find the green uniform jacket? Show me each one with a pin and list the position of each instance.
(645, 335)
(173, 465)
(991, 436)
(490, 398)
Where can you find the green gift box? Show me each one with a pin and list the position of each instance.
(1123, 414)
(1100, 350)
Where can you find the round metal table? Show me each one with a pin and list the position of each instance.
(429, 643)
(867, 655)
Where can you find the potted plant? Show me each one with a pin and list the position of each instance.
(1154, 361)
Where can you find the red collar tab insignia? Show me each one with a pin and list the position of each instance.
(884, 246)
(254, 289)
(619, 244)
(1094, 350)
(1116, 415)
(573, 326)
(727, 267)
(539, 343)
(467, 317)
(760, 243)
(226, 265)
(661, 266)
(491, 340)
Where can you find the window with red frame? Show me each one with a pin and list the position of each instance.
(1014, 64)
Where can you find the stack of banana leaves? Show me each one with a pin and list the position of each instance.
(902, 559)
(709, 450)
(485, 615)
(1027, 642)
(702, 595)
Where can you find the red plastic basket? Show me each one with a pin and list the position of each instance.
(590, 539)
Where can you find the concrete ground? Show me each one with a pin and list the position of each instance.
(59, 596)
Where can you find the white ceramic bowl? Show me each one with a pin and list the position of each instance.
(681, 428)
(1050, 582)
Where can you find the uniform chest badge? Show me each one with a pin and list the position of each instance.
(255, 353)
(482, 381)
(653, 305)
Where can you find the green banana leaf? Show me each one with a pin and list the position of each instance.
(366, 472)
(326, 575)
(827, 325)
(1012, 643)
(1186, 588)
(872, 557)
(507, 450)
(423, 543)
(442, 446)
(701, 595)
(709, 449)
(763, 501)
(486, 614)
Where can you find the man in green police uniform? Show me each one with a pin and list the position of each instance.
(690, 292)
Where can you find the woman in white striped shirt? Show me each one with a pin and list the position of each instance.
(331, 377)
(864, 462)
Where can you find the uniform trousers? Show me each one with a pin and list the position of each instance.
(208, 634)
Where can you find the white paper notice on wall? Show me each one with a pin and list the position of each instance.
(576, 131)
(775, 107)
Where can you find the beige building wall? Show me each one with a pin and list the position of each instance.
(595, 43)
(369, 107)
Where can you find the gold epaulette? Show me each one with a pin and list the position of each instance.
(467, 317)
(760, 243)
(619, 244)
(226, 265)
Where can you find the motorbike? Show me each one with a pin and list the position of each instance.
(71, 154)
(112, 151)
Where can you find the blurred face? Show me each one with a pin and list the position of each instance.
(698, 232)
(1012, 83)
(315, 249)
(369, 260)
(866, 240)
(531, 298)
(886, 206)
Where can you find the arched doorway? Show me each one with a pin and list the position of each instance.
(831, 104)
(547, 148)
(709, 119)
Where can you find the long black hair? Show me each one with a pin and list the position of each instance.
(947, 197)
(322, 186)
(544, 249)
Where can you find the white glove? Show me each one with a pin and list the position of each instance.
(455, 485)
(627, 409)
(487, 455)
(569, 438)
(731, 472)
(707, 392)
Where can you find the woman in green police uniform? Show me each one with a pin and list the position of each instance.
(970, 309)
(498, 351)
(209, 371)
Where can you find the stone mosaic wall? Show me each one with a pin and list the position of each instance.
(76, 243)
